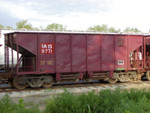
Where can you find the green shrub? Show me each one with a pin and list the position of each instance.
(106, 101)
(8, 106)
(88, 102)
(63, 103)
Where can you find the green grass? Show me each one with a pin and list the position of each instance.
(106, 101)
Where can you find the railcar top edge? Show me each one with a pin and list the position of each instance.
(74, 32)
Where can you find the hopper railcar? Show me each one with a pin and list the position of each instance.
(44, 58)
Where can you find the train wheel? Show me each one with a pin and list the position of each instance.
(18, 82)
(148, 75)
(49, 82)
(112, 81)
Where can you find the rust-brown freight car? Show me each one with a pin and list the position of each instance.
(47, 57)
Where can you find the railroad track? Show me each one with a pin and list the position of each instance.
(78, 85)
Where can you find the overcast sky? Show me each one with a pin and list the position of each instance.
(77, 14)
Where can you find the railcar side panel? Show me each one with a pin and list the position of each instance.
(62, 51)
(135, 51)
(107, 52)
(28, 42)
(46, 53)
(147, 40)
(121, 52)
(27, 46)
(93, 53)
(79, 53)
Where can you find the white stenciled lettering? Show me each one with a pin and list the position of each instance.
(47, 48)
(44, 46)
(49, 45)
(42, 50)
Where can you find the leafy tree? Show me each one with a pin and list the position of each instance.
(131, 30)
(41, 28)
(55, 26)
(9, 27)
(101, 28)
(104, 28)
(35, 28)
(24, 24)
(1, 26)
(113, 30)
